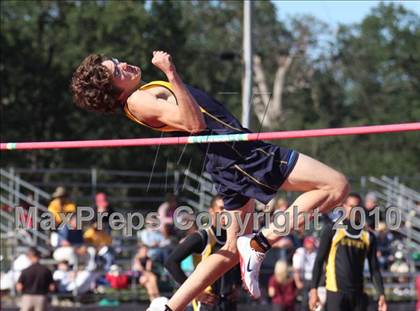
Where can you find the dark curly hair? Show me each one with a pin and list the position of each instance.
(92, 88)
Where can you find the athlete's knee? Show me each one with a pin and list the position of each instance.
(340, 188)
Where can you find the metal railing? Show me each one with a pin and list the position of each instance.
(192, 189)
(13, 195)
(393, 193)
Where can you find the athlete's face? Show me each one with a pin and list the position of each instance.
(124, 76)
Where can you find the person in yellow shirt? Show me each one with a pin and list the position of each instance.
(101, 241)
(60, 204)
(97, 238)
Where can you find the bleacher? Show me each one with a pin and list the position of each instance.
(194, 191)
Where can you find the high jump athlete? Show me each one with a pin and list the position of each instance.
(242, 171)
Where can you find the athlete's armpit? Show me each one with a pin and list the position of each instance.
(156, 112)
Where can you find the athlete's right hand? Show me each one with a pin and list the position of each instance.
(313, 299)
(208, 298)
(163, 61)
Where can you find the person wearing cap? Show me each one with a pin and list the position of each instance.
(344, 247)
(303, 263)
(60, 204)
(34, 283)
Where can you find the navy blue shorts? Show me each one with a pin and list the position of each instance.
(258, 176)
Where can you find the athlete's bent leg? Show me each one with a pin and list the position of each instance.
(324, 188)
(208, 271)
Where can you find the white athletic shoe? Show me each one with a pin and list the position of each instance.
(250, 261)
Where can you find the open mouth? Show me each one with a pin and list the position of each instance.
(133, 69)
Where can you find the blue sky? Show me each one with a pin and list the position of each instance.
(335, 12)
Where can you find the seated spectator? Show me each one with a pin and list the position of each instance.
(116, 278)
(168, 242)
(62, 276)
(371, 202)
(60, 204)
(384, 240)
(26, 218)
(152, 239)
(400, 266)
(103, 208)
(281, 289)
(72, 247)
(101, 241)
(281, 204)
(143, 266)
(9, 279)
(285, 244)
(167, 209)
(68, 280)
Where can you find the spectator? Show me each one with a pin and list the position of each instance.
(72, 246)
(116, 278)
(168, 242)
(281, 289)
(62, 276)
(167, 209)
(9, 279)
(68, 280)
(34, 283)
(303, 263)
(152, 239)
(143, 266)
(400, 266)
(371, 202)
(101, 241)
(385, 239)
(281, 205)
(26, 218)
(103, 210)
(284, 246)
(60, 204)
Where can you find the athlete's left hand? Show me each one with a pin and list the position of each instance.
(382, 304)
(163, 61)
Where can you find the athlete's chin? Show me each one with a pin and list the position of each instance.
(136, 77)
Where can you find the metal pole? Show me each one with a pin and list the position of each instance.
(94, 183)
(247, 47)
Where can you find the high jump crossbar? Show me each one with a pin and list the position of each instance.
(198, 139)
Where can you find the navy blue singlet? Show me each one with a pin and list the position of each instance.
(240, 170)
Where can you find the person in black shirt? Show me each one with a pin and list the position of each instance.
(34, 283)
(221, 295)
(344, 249)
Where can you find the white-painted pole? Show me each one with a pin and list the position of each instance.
(247, 57)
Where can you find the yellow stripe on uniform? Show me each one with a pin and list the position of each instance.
(331, 280)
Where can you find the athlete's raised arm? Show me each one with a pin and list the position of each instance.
(188, 111)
